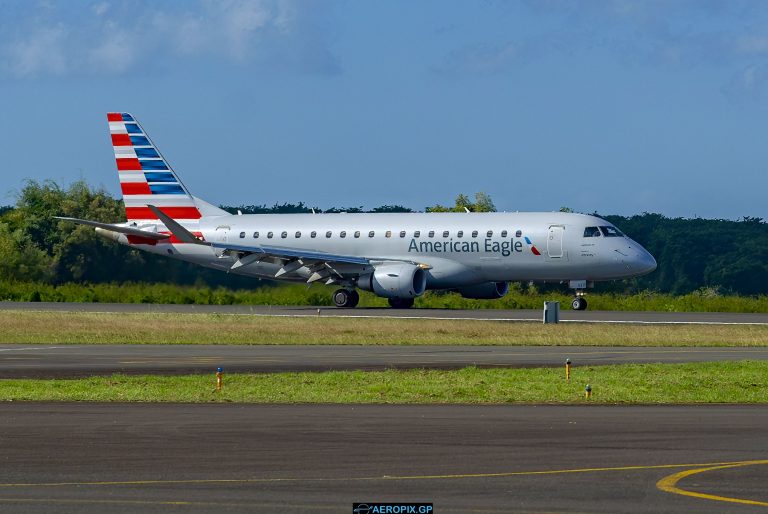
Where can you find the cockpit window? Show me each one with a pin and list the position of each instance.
(591, 232)
(611, 232)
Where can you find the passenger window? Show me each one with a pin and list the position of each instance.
(388, 233)
(402, 233)
(474, 233)
(343, 233)
(431, 233)
(284, 235)
(371, 233)
(255, 235)
(460, 233)
(417, 233)
(242, 235)
(503, 233)
(489, 234)
(357, 233)
(269, 235)
(313, 234)
(591, 232)
(445, 233)
(328, 234)
(298, 234)
(519, 233)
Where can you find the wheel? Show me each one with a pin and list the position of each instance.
(401, 303)
(345, 298)
(579, 303)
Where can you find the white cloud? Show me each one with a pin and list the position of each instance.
(748, 83)
(111, 37)
(115, 53)
(40, 53)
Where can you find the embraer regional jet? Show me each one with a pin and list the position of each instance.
(398, 256)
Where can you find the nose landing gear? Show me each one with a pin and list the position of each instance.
(579, 303)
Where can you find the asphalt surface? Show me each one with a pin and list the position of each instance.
(40, 361)
(96, 458)
(566, 315)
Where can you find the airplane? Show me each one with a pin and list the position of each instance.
(398, 256)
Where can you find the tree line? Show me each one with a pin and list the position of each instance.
(720, 256)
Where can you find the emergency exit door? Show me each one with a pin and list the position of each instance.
(555, 241)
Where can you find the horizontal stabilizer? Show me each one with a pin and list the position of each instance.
(117, 228)
(181, 233)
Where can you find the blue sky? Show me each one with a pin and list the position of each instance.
(602, 105)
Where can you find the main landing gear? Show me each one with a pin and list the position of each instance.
(401, 303)
(346, 298)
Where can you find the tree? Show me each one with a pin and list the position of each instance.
(482, 203)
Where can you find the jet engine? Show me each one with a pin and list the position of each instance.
(485, 291)
(395, 281)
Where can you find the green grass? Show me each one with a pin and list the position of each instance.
(518, 298)
(715, 382)
(159, 328)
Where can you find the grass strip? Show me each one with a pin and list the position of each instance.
(713, 382)
(140, 328)
(519, 297)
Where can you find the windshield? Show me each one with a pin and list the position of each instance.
(591, 232)
(611, 232)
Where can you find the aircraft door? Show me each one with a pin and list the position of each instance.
(555, 241)
(222, 233)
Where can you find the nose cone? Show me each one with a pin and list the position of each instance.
(645, 261)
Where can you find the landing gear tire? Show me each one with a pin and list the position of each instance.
(401, 303)
(579, 303)
(345, 298)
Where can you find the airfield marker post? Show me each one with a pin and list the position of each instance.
(551, 312)
(567, 369)
(588, 392)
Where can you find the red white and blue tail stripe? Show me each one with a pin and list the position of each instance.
(145, 177)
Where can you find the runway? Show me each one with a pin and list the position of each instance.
(51, 361)
(322, 458)
(566, 315)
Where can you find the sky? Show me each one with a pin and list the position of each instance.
(606, 106)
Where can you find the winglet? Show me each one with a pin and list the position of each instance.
(181, 233)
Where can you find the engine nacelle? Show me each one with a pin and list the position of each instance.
(485, 291)
(395, 281)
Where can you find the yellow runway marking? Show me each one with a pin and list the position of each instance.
(711, 465)
(669, 484)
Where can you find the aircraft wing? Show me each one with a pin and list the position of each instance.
(292, 253)
(117, 228)
(322, 266)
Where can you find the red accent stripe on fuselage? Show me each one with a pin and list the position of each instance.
(138, 240)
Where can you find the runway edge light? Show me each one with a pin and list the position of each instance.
(567, 369)
(588, 392)
(219, 378)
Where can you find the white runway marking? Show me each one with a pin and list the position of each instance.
(521, 320)
(31, 349)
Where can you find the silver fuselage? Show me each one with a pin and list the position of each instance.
(457, 249)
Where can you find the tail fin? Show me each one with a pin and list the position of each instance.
(145, 176)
